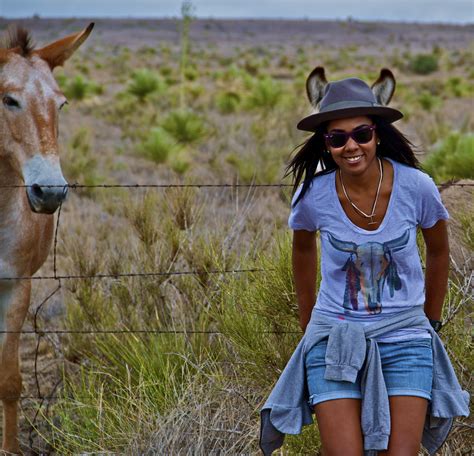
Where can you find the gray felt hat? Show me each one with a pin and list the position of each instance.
(347, 98)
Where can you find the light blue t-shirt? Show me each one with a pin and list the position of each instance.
(366, 275)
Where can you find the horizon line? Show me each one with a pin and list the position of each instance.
(228, 18)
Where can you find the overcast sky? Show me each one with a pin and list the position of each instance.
(452, 11)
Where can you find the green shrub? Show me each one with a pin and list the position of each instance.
(79, 163)
(185, 126)
(180, 161)
(158, 145)
(428, 101)
(452, 158)
(424, 63)
(79, 88)
(129, 379)
(227, 102)
(266, 94)
(457, 87)
(145, 82)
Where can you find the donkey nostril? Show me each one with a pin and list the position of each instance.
(36, 189)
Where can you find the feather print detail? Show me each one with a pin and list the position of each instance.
(352, 284)
(393, 279)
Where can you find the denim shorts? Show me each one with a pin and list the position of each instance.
(407, 368)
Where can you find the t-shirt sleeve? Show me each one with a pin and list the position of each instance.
(430, 207)
(302, 216)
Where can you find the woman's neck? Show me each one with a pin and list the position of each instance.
(359, 184)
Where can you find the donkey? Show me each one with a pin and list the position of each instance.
(32, 187)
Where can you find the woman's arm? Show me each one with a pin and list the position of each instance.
(437, 268)
(304, 257)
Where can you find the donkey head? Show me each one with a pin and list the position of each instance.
(382, 88)
(30, 100)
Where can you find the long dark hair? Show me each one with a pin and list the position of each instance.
(393, 144)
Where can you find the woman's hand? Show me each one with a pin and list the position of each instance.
(304, 259)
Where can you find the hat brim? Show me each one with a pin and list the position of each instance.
(310, 123)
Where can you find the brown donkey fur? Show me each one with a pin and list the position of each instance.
(30, 101)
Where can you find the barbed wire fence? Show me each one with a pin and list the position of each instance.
(42, 332)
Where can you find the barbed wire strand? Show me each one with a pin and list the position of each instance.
(278, 185)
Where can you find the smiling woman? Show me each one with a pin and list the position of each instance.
(29, 157)
(368, 364)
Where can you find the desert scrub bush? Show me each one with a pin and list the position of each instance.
(252, 307)
(458, 87)
(258, 316)
(467, 222)
(262, 167)
(130, 380)
(185, 126)
(427, 101)
(423, 63)
(452, 158)
(266, 94)
(144, 82)
(158, 145)
(79, 162)
(227, 102)
(79, 87)
(183, 206)
(180, 161)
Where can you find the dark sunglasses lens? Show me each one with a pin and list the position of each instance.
(362, 135)
(337, 139)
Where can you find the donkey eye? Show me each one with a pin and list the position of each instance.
(10, 102)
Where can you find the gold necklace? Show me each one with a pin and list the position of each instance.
(371, 216)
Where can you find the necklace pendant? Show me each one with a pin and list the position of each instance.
(372, 221)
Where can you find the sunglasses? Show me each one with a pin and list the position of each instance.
(361, 135)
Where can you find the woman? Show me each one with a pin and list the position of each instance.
(367, 351)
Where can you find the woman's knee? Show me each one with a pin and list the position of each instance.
(339, 427)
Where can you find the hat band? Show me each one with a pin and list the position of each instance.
(348, 104)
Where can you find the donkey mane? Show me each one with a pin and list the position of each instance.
(19, 37)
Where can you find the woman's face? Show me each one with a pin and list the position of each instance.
(351, 148)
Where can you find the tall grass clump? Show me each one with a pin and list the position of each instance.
(228, 102)
(258, 315)
(144, 82)
(423, 63)
(80, 87)
(453, 158)
(428, 101)
(252, 307)
(79, 162)
(158, 145)
(266, 94)
(185, 126)
(130, 382)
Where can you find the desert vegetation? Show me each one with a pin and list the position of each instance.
(190, 358)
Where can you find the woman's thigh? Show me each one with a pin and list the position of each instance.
(407, 370)
(337, 407)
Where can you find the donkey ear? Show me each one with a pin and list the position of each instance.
(315, 85)
(3, 55)
(58, 52)
(384, 87)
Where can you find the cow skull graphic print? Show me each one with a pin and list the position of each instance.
(368, 268)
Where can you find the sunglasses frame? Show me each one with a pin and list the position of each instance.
(328, 136)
